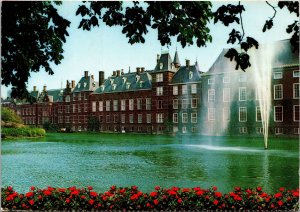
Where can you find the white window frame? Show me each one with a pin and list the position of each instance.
(115, 105)
(159, 118)
(280, 92)
(100, 105)
(175, 90)
(278, 130)
(160, 104)
(175, 103)
(242, 94)
(139, 103)
(123, 104)
(226, 79)
(185, 104)
(296, 73)
(211, 95)
(148, 118)
(294, 113)
(243, 130)
(159, 91)
(107, 105)
(295, 91)
(192, 103)
(259, 130)
(193, 88)
(226, 94)
(184, 89)
(140, 118)
(159, 77)
(297, 131)
(93, 106)
(148, 104)
(275, 119)
(175, 117)
(211, 81)
(257, 111)
(184, 118)
(131, 104)
(226, 114)
(184, 129)
(123, 118)
(211, 114)
(131, 119)
(277, 75)
(241, 111)
(193, 117)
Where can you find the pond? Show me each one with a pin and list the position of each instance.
(102, 160)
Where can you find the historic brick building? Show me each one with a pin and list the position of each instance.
(173, 98)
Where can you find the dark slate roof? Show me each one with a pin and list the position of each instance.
(34, 94)
(126, 82)
(86, 84)
(183, 75)
(283, 57)
(176, 58)
(166, 61)
(56, 94)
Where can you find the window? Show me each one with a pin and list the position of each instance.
(184, 129)
(211, 81)
(175, 90)
(139, 104)
(194, 117)
(131, 118)
(226, 114)
(85, 105)
(67, 98)
(159, 104)
(278, 115)
(107, 118)
(140, 118)
(211, 95)
(184, 89)
(161, 65)
(296, 90)
(115, 102)
(67, 108)
(258, 114)
(100, 105)
(243, 129)
(184, 117)
(296, 73)
(278, 130)
(159, 91)
(259, 130)
(148, 104)
(131, 104)
(74, 96)
(242, 114)
(159, 118)
(297, 131)
(277, 91)
(123, 117)
(194, 103)
(67, 119)
(243, 78)
(107, 104)
(148, 118)
(211, 114)
(79, 108)
(185, 104)
(175, 103)
(79, 94)
(123, 104)
(175, 117)
(85, 96)
(190, 75)
(277, 75)
(242, 94)
(226, 79)
(93, 106)
(296, 113)
(226, 94)
(159, 77)
(175, 129)
(194, 88)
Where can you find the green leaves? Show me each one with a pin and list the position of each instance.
(268, 25)
(228, 14)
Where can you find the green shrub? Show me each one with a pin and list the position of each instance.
(22, 132)
(9, 115)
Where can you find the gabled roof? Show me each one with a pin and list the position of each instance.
(126, 82)
(283, 56)
(86, 84)
(164, 64)
(187, 75)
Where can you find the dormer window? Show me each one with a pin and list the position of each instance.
(161, 65)
(102, 87)
(137, 78)
(79, 85)
(124, 79)
(114, 87)
(190, 75)
(94, 84)
(127, 85)
(111, 81)
(84, 84)
(141, 84)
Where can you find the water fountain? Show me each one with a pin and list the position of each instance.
(261, 70)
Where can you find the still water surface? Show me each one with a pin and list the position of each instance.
(102, 160)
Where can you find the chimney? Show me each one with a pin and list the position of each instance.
(118, 73)
(157, 58)
(86, 74)
(142, 69)
(114, 73)
(34, 88)
(73, 83)
(138, 70)
(45, 88)
(122, 71)
(92, 76)
(68, 84)
(101, 77)
(187, 63)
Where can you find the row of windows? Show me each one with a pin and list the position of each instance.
(184, 89)
(185, 103)
(140, 104)
(259, 130)
(278, 93)
(278, 74)
(78, 97)
(184, 118)
(28, 111)
(278, 114)
(184, 129)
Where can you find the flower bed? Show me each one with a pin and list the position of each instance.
(160, 199)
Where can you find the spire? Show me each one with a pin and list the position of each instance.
(176, 60)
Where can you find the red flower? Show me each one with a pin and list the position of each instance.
(278, 195)
(76, 192)
(72, 188)
(237, 198)
(104, 198)
(82, 197)
(218, 194)
(40, 197)
(9, 198)
(196, 189)
(61, 190)
(249, 191)
(9, 188)
(90, 188)
(31, 202)
(214, 188)
(215, 202)
(175, 188)
(280, 203)
(122, 191)
(296, 193)
(113, 187)
(237, 188)
(29, 194)
(93, 194)
(172, 192)
(281, 189)
(50, 188)
(153, 194)
(155, 202)
(91, 201)
(179, 200)
(68, 200)
(32, 188)
(186, 190)
(134, 197)
(148, 205)
(47, 193)
(200, 193)
(21, 196)
(157, 188)
(263, 194)
(258, 189)
(134, 187)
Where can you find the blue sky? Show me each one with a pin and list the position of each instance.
(107, 49)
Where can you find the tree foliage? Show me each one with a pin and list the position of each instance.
(9, 115)
(32, 38)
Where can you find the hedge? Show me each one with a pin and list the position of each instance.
(22, 132)
(130, 198)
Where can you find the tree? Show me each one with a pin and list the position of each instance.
(9, 115)
(33, 34)
(93, 124)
